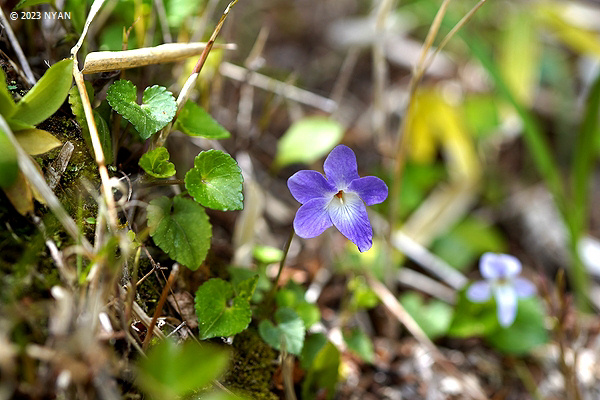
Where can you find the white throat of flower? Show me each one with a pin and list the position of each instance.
(344, 202)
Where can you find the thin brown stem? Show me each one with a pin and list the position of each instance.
(159, 306)
(286, 249)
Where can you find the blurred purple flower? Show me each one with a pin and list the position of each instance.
(500, 272)
(338, 199)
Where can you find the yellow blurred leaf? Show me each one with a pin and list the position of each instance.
(20, 195)
(434, 123)
(457, 143)
(578, 38)
(422, 142)
(519, 55)
(37, 141)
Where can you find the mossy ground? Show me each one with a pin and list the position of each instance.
(252, 367)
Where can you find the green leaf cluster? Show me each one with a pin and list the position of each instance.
(362, 296)
(238, 275)
(180, 226)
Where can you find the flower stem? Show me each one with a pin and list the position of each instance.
(286, 249)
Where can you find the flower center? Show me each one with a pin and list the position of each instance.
(340, 195)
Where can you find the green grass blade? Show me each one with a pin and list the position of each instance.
(533, 135)
(585, 149)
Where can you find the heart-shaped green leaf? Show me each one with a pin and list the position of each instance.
(47, 95)
(156, 163)
(193, 120)
(8, 161)
(171, 370)
(215, 316)
(157, 110)
(216, 181)
(289, 331)
(180, 227)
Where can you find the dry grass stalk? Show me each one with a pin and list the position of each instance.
(402, 136)
(419, 70)
(87, 107)
(104, 61)
(280, 88)
(161, 137)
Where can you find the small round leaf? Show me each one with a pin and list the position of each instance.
(216, 181)
(215, 316)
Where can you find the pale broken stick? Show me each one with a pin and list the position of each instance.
(104, 61)
(280, 88)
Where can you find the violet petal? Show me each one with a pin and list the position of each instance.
(506, 302)
(523, 287)
(479, 292)
(312, 218)
(349, 215)
(340, 167)
(371, 189)
(306, 185)
(498, 266)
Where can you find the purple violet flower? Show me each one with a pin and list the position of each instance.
(500, 272)
(338, 198)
